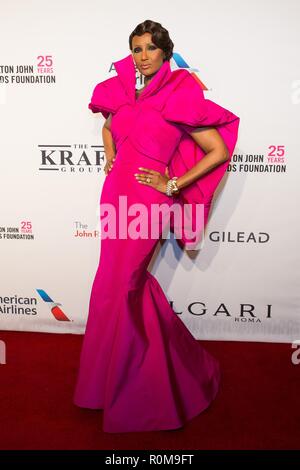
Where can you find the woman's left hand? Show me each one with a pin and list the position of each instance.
(153, 178)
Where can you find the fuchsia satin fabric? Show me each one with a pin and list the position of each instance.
(159, 122)
(139, 362)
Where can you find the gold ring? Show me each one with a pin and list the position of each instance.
(148, 180)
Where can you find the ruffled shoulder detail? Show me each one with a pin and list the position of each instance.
(107, 97)
(187, 107)
(186, 103)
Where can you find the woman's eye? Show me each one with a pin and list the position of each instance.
(136, 49)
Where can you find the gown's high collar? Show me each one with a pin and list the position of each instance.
(125, 69)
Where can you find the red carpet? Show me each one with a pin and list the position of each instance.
(257, 406)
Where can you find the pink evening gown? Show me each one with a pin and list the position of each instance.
(139, 362)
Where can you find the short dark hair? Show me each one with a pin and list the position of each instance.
(160, 36)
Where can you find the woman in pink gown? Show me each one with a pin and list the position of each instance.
(139, 362)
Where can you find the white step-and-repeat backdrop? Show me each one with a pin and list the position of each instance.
(244, 283)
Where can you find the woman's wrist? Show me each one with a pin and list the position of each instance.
(180, 183)
(185, 180)
(110, 157)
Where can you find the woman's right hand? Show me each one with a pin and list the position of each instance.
(109, 165)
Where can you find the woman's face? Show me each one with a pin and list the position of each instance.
(146, 55)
